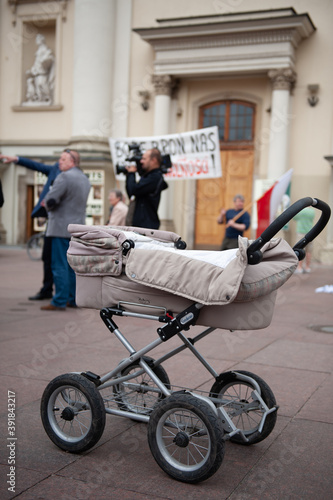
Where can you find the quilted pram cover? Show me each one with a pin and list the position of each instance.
(154, 273)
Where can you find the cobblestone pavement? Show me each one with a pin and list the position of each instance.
(293, 355)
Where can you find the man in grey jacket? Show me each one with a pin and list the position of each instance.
(66, 204)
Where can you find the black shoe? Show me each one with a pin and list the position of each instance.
(41, 296)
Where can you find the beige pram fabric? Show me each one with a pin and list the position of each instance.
(154, 273)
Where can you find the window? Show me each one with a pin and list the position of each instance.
(235, 120)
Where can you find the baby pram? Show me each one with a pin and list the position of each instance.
(146, 274)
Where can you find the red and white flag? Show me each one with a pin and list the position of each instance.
(269, 202)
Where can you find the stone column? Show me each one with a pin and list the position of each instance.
(121, 69)
(163, 85)
(94, 35)
(283, 81)
(3, 231)
(94, 27)
(326, 250)
(330, 202)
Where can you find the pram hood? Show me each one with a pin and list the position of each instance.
(211, 278)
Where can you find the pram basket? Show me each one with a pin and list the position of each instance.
(145, 274)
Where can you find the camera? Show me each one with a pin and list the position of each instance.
(136, 155)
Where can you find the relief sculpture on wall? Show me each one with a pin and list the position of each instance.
(40, 77)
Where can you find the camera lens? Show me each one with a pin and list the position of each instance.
(121, 169)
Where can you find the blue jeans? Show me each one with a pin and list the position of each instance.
(63, 274)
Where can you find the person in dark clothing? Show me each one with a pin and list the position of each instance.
(51, 171)
(148, 190)
(237, 221)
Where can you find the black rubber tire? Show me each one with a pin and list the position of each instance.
(138, 401)
(73, 412)
(194, 424)
(228, 380)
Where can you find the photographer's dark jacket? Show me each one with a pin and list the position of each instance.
(147, 194)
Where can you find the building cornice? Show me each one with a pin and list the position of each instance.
(16, 4)
(190, 46)
(228, 40)
(302, 23)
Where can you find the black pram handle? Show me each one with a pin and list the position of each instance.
(254, 255)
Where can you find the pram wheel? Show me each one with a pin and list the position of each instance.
(73, 413)
(185, 437)
(234, 391)
(140, 394)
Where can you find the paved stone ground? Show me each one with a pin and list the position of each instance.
(294, 462)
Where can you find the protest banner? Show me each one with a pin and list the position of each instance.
(194, 155)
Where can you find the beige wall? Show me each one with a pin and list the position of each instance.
(17, 41)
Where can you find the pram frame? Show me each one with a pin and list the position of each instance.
(189, 412)
(108, 379)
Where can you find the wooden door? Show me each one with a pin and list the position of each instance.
(30, 204)
(237, 159)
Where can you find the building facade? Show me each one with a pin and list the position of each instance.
(76, 72)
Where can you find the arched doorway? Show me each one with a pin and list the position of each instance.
(236, 122)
